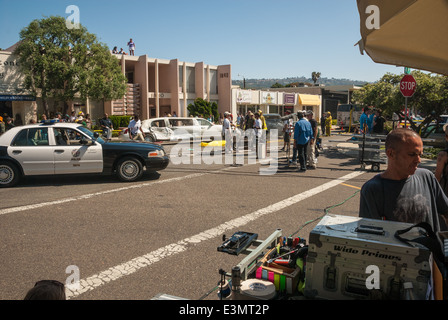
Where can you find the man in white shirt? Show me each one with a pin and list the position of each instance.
(227, 133)
(258, 127)
(135, 129)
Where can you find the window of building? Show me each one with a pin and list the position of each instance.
(181, 76)
(191, 80)
(273, 109)
(213, 81)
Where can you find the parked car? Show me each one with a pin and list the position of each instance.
(274, 121)
(175, 128)
(68, 148)
(436, 137)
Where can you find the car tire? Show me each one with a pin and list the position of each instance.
(129, 169)
(9, 175)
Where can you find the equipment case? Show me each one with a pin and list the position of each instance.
(348, 255)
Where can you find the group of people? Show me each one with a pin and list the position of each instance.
(246, 122)
(6, 124)
(253, 123)
(131, 46)
(134, 129)
(305, 134)
(371, 121)
(74, 117)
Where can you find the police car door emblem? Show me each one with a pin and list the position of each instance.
(76, 154)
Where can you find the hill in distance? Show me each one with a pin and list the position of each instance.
(301, 81)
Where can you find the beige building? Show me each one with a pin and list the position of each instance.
(156, 87)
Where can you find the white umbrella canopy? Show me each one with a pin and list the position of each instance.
(410, 33)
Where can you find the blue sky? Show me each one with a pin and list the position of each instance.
(259, 38)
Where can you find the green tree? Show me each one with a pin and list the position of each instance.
(65, 64)
(430, 98)
(277, 85)
(202, 108)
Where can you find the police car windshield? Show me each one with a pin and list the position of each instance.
(90, 134)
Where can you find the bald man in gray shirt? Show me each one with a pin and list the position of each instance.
(404, 192)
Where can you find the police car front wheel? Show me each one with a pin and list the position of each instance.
(9, 174)
(129, 169)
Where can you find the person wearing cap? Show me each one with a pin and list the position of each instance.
(249, 120)
(258, 126)
(311, 154)
(227, 132)
(58, 117)
(328, 121)
(441, 172)
(263, 120)
(9, 124)
(302, 135)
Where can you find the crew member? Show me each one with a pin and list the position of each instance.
(404, 192)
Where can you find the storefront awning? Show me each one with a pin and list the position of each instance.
(309, 100)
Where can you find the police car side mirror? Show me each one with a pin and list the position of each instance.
(96, 135)
(85, 141)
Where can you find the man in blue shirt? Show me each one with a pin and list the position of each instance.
(365, 122)
(302, 135)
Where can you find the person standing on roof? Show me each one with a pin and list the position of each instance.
(131, 46)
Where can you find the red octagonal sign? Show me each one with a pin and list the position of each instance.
(408, 85)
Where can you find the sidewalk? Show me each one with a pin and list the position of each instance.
(352, 150)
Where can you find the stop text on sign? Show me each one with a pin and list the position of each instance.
(408, 85)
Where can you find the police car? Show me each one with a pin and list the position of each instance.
(68, 148)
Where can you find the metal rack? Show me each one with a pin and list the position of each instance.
(370, 150)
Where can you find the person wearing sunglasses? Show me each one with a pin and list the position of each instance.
(47, 290)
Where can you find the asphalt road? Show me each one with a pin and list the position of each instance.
(132, 241)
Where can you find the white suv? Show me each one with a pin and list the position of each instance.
(175, 128)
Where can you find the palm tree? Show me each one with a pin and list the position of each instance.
(315, 76)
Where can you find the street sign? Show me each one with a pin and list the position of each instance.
(408, 86)
(407, 70)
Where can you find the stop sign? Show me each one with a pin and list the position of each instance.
(408, 85)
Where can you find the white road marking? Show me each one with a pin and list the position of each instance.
(134, 265)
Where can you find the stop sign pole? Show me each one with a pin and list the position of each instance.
(407, 89)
